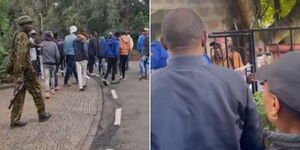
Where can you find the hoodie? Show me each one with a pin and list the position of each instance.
(124, 45)
(102, 47)
(112, 48)
(282, 141)
(159, 56)
(50, 53)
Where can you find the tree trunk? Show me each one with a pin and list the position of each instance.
(247, 11)
(292, 19)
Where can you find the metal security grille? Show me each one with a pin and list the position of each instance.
(248, 35)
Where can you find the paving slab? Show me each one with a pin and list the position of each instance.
(73, 114)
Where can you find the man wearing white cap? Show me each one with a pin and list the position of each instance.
(70, 55)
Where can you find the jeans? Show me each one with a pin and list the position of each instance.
(81, 68)
(123, 60)
(112, 67)
(91, 63)
(102, 65)
(49, 73)
(70, 59)
(144, 65)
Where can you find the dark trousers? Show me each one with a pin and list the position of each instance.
(123, 60)
(111, 68)
(62, 62)
(56, 76)
(70, 60)
(91, 63)
(36, 66)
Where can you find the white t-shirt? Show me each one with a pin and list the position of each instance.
(32, 51)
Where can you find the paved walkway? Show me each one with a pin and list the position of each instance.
(73, 112)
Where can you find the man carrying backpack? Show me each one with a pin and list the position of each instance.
(124, 52)
(23, 73)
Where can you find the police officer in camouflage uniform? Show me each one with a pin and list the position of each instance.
(23, 72)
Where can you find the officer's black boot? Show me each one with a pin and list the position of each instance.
(17, 124)
(45, 117)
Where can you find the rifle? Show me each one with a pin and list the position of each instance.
(16, 93)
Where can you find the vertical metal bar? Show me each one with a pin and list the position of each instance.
(252, 59)
(291, 38)
(227, 57)
(278, 52)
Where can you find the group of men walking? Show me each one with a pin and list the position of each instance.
(46, 54)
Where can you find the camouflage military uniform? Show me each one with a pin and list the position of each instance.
(23, 69)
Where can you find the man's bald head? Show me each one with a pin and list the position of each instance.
(183, 30)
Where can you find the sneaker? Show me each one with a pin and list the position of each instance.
(67, 85)
(141, 78)
(114, 82)
(45, 117)
(81, 89)
(17, 124)
(105, 82)
(120, 77)
(52, 91)
(47, 95)
(57, 88)
(84, 86)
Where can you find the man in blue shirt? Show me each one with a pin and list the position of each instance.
(69, 51)
(140, 42)
(112, 54)
(196, 106)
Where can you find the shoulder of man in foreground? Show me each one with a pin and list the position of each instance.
(224, 74)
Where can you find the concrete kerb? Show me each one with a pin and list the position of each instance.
(93, 129)
(7, 86)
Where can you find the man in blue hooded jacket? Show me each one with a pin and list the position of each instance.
(159, 56)
(112, 54)
(101, 52)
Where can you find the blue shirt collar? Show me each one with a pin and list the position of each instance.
(187, 61)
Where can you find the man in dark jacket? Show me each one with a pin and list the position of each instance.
(60, 45)
(112, 55)
(196, 106)
(81, 57)
(92, 51)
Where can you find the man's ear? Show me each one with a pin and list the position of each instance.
(203, 40)
(163, 43)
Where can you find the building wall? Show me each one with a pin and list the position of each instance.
(217, 15)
